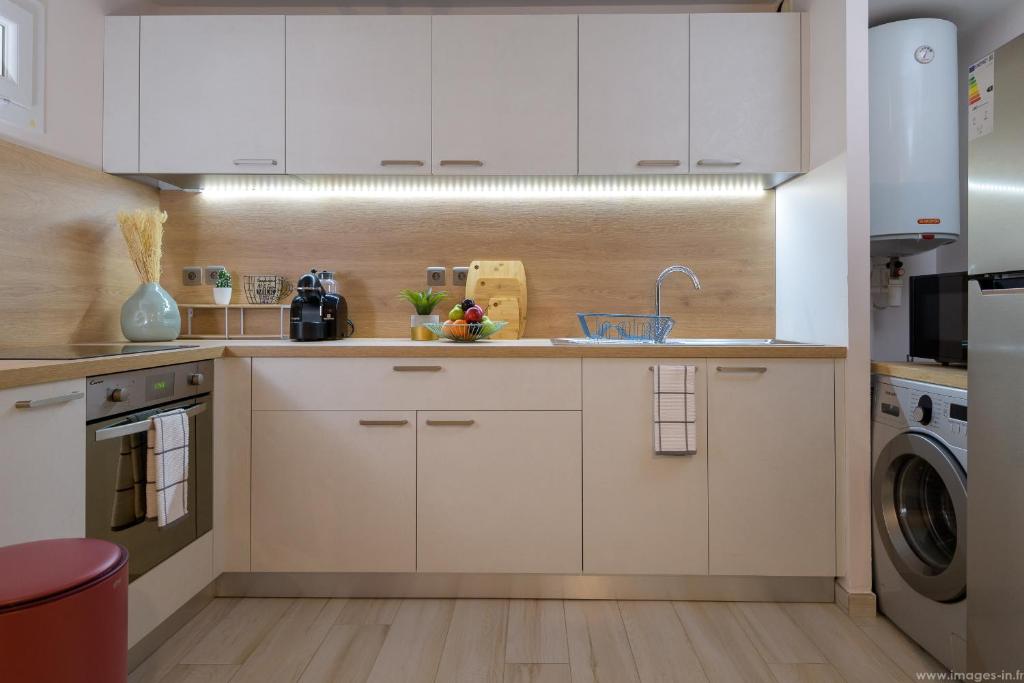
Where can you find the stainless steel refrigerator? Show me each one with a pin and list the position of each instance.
(995, 477)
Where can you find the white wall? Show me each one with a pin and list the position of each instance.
(811, 287)
(73, 126)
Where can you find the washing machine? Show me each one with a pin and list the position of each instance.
(919, 513)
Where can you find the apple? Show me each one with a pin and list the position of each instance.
(487, 326)
(456, 313)
(474, 314)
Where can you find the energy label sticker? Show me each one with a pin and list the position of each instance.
(981, 97)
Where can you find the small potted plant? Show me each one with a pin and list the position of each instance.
(424, 303)
(222, 289)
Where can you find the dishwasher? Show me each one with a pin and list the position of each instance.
(118, 410)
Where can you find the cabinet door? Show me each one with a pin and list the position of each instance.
(333, 491)
(634, 93)
(504, 94)
(771, 467)
(642, 513)
(42, 463)
(212, 94)
(745, 93)
(358, 94)
(499, 492)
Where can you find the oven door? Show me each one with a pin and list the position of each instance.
(109, 516)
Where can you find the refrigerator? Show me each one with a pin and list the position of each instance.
(995, 477)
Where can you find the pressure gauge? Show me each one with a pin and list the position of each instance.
(924, 54)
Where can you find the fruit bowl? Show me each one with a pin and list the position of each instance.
(465, 332)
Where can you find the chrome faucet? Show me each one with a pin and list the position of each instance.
(661, 278)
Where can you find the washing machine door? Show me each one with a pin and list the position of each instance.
(919, 496)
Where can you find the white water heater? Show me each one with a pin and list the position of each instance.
(915, 143)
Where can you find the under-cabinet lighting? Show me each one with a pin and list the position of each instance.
(482, 187)
(996, 188)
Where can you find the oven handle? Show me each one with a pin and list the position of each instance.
(139, 427)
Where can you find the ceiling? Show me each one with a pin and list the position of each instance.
(966, 14)
(396, 4)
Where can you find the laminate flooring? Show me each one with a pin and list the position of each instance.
(319, 640)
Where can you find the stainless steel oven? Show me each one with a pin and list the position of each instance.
(118, 410)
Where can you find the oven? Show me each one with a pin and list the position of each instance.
(118, 411)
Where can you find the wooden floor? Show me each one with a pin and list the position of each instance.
(529, 641)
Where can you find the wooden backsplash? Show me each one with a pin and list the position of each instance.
(580, 254)
(64, 269)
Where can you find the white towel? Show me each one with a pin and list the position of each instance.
(167, 467)
(675, 409)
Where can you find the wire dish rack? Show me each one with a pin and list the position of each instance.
(266, 289)
(617, 327)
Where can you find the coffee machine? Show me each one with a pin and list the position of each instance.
(317, 314)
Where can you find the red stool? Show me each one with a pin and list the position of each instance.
(64, 612)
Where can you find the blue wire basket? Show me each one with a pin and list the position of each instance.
(625, 327)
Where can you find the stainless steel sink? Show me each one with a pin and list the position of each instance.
(583, 341)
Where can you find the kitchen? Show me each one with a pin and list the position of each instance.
(630, 442)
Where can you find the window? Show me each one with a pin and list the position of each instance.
(21, 73)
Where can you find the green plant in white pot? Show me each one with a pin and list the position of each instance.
(424, 303)
(222, 289)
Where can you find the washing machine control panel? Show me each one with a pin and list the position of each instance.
(905, 404)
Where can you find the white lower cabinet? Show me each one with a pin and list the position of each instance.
(642, 513)
(42, 462)
(771, 466)
(499, 491)
(333, 491)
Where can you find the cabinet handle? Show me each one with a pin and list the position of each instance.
(659, 162)
(255, 162)
(461, 162)
(718, 162)
(736, 370)
(417, 368)
(383, 423)
(401, 162)
(451, 423)
(52, 401)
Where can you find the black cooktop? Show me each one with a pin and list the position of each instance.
(77, 351)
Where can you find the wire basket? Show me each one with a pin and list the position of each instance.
(266, 289)
(470, 332)
(625, 327)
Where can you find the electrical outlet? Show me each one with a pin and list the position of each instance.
(459, 275)
(210, 274)
(436, 276)
(192, 276)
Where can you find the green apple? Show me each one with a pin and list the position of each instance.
(487, 326)
(456, 313)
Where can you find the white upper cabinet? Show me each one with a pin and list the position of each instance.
(745, 93)
(504, 95)
(358, 94)
(634, 93)
(212, 94)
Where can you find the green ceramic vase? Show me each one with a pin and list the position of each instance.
(150, 315)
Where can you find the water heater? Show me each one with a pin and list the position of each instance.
(915, 144)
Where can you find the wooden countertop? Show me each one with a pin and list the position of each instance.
(933, 373)
(15, 373)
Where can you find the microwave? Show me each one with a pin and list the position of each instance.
(938, 317)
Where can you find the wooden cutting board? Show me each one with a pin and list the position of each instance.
(500, 287)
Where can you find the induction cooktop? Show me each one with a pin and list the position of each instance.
(79, 351)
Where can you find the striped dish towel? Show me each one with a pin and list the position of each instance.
(675, 409)
(167, 467)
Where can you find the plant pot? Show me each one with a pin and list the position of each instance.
(150, 314)
(222, 296)
(419, 332)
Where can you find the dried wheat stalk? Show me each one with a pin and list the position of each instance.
(143, 231)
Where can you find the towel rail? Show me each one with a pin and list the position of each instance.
(117, 431)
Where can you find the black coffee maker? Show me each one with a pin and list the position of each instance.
(316, 314)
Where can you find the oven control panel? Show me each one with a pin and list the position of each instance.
(123, 392)
(905, 405)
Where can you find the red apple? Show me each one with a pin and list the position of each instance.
(474, 314)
